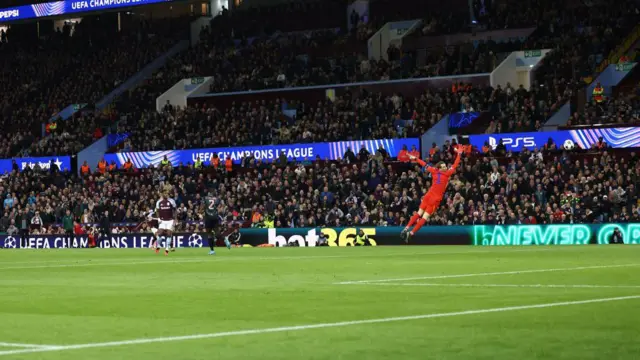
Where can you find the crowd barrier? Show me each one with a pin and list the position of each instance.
(478, 235)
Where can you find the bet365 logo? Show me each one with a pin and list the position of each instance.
(335, 237)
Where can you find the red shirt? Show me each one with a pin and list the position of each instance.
(440, 178)
(557, 215)
(77, 229)
(403, 155)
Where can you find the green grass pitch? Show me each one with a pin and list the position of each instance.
(134, 304)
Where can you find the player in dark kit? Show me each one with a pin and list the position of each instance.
(165, 208)
(212, 221)
(152, 222)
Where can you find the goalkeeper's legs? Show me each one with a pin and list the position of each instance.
(414, 219)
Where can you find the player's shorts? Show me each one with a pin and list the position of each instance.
(211, 222)
(154, 230)
(166, 225)
(429, 204)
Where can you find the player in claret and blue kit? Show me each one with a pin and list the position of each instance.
(165, 209)
(440, 178)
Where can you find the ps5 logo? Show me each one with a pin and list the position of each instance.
(513, 143)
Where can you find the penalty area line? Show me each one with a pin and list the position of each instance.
(32, 346)
(516, 272)
(560, 286)
(313, 326)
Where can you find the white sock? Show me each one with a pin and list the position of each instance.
(167, 243)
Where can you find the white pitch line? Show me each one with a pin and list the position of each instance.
(34, 346)
(484, 274)
(508, 285)
(312, 326)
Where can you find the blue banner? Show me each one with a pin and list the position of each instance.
(130, 241)
(479, 235)
(63, 162)
(56, 8)
(115, 139)
(461, 120)
(624, 137)
(297, 152)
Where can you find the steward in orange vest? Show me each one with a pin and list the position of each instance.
(102, 166)
(228, 164)
(84, 169)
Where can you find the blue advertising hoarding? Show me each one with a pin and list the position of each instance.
(478, 235)
(56, 8)
(63, 162)
(115, 139)
(623, 137)
(297, 152)
(125, 241)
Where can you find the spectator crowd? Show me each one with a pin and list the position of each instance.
(38, 78)
(286, 60)
(580, 36)
(532, 187)
(252, 55)
(78, 64)
(351, 116)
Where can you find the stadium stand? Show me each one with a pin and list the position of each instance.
(578, 47)
(546, 186)
(444, 18)
(367, 116)
(539, 187)
(274, 60)
(620, 110)
(60, 70)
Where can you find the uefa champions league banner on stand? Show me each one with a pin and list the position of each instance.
(63, 162)
(297, 152)
(479, 235)
(623, 137)
(56, 8)
(118, 241)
